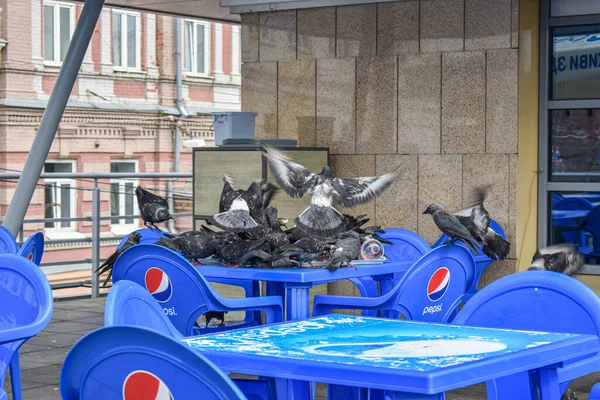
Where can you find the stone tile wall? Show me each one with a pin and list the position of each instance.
(428, 88)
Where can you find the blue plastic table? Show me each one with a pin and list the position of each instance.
(399, 357)
(294, 284)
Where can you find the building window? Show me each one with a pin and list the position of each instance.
(59, 196)
(197, 54)
(126, 36)
(569, 139)
(122, 197)
(59, 22)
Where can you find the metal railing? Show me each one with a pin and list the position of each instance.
(95, 218)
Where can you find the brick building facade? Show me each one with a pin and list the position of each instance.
(121, 115)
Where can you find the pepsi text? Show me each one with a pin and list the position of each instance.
(432, 309)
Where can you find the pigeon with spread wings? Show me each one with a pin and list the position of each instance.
(477, 220)
(321, 218)
(243, 210)
(153, 209)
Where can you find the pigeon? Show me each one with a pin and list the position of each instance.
(450, 225)
(477, 220)
(218, 315)
(239, 209)
(321, 218)
(242, 251)
(345, 249)
(133, 239)
(559, 258)
(192, 245)
(153, 209)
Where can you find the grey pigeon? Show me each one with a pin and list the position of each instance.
(243, 251)
(321, 218)
(192, 245)
(477, 220)
(133, 239)
(153, 209)
(559, 258)
(243, 210)
(345, 249)
(450, 225)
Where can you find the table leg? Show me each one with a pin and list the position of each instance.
(298, 301)
(276, 289)
(548, 384)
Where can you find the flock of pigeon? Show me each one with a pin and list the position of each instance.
(251, 233)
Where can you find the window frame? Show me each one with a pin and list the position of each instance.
(207, 47)
(546, 105)
(73, 197)
(56, 5)
(122, 227)
(138, 40)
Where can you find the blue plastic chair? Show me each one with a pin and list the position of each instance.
(556, 197)
(26, 306)
(431, 289)
(481, 260)
(8, 244)
(536, 301)
(130, 304)
(122, 362)
(251, 288)
(573, 231)
(33, 248)
(407, 246)
(595, 392)
(182, 291)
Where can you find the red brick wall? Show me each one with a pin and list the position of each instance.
(201, 93)
(130, 89)
(48, 82)
(97, 46)
(226, 49)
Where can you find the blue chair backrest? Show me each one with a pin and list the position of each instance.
(592, 225)
(407, 245)
(573, 203)
(33, 248)
(149, 236)
(8, 244)
(130, 304)
(435, 285)
(128, 363)
(533, 301)
(182, 292)
(536, 301)
(556, 197)
(26, 305)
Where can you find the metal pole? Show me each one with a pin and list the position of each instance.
(52, 115)
(182, 114)
(95, 239)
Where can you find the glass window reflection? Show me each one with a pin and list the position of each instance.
(575, 219)
(576, 63)
(575, 145)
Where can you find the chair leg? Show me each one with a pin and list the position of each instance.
(15, 377)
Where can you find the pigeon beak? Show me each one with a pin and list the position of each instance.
(425, 212)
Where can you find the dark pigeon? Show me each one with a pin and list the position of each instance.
(153, 209)
(450, 225)
(192, 245)
(559, 258)
(477, 220)
(243, 210)
(218, 315)
(132, 240)
(321, 218)
(345, 249)
(243, 251)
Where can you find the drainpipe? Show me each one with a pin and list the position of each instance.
(182, 115)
